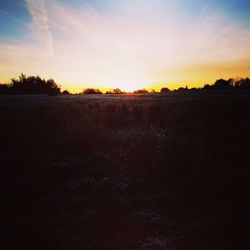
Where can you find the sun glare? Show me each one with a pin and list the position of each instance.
(124, 44)
(130, 84)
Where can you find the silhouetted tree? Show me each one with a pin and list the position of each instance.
(223, 84)
(165, 90)
(243, 84)
(91, 91)
(141, 91)
(109, 92)
(65, 92)
(229, 84)
(116, 91)
(32, 85)
(207, 86)
(181, 89)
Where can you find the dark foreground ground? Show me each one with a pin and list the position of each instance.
(139, 172)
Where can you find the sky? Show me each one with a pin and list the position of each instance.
(127, 44)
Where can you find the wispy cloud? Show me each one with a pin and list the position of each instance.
(130, 43)
(39, 23)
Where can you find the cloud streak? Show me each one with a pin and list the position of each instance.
(130, 45)
(39, 23)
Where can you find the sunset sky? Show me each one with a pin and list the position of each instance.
(129, 44)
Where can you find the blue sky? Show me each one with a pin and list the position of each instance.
(13, 18)
(134, 42)
(14, 14)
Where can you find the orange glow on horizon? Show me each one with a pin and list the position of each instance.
(134, 45)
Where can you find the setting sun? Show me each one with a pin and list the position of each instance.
(129, 84)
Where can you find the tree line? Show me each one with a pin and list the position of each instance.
(243, 83)
(36, 85)
(221, 84)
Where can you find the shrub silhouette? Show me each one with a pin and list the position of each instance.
(109, 92)
(229, 84)
(243, 84)
(65, 92)
(207, 86)
(30, 85)
(116, 91)
(141, 91)
(165, 90)
(91, 91)
(181, 89)
(223, 84)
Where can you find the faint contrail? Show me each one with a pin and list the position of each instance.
(206, 8)
(40, 22)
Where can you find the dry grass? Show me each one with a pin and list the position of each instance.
(126, 172)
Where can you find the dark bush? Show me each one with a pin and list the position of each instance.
(115, 92)
(65, 92)
(31, 85)
(141, 91)
(165, 90)
(91, 91)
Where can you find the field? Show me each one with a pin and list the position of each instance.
(126, 172)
